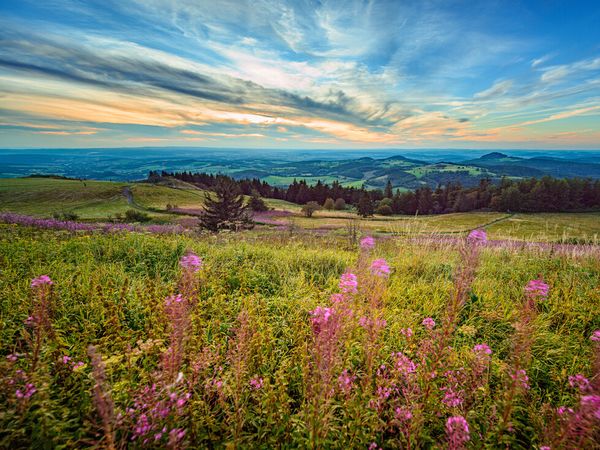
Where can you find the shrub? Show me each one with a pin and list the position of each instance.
(340, 204)
(309, 209)
(134, 215)
(329, 204)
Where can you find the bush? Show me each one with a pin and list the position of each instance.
(257, 204)
(309, 209)
(384, 210)
(133, 215)
(329, 204)
(340, 204)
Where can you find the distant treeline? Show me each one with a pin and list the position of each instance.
(545, 194)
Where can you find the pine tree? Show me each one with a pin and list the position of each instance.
(227, 211)
(365, 206)
(389, 190)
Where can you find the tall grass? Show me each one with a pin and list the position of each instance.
(269, 342)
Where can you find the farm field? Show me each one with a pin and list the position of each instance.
(258, 352)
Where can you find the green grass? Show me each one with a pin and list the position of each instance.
(109, 291)
(549, 227)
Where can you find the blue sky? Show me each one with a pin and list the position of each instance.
(287, 74)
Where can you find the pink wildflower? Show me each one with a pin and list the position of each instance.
(345, 381)
(191, 262)
(429, 323)
(545, 447)
(380, 268)
(404, 364)
(367, 243)
(521, 378)
(27, 393)
(590, 405)
(537, 289)
(256, 383)
(66, 359)
(457, 432)
(77, 365)
(595, 337)
(482, 349)
(561, 410)
(348, 283)
(478, 236)
(320, 317)
(173, 300)
(408, 332)
(12, 357)
(579, 382)
(337, 298)
(41, 281)
(403, 414)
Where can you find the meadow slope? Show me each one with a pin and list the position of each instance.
(258, 353)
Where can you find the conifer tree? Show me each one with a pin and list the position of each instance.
(365, 207)
(227, 211)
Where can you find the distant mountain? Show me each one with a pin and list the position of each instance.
(409, 170)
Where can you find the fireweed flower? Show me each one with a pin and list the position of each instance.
(345, 381)
(256, 383)
(521, 378)
(595, 337)
(482, 349)
(380, 268)
(41, 281)
(590, 405)
(348, 283)
(173, 300)
(25, 393)
(403, 414)
(457, 432)
(429, 323)
(320, 317)
(408, 332)
(191, 262)
(12, 357)
(579, 382)
(537, 289)
(478, 236)
(337, 298)
(404, 364)
(367, 243)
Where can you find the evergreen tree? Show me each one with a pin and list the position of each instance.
(227, 211)
(389, 190)
(365, 205)
(256, 203)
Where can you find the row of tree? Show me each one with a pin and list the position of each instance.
(545, 194)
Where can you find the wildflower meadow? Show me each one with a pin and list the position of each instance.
(136, 339)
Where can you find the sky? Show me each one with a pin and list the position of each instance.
(300, 74)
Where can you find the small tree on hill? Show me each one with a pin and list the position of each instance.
(227, 211)
(329, 204)
(365, 205)
(310, 208)
(389, 190)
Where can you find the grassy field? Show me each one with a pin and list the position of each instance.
(242, 362)
(97, 201)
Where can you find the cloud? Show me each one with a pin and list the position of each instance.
(498, 89)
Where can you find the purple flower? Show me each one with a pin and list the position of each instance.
(345, 381)
(256, 383)
(595, 337)
(380, 268)
(579, 382)
(428, 323)
(12, 357)
(337, 298)
(407, 332)
(348, 283)
(191, 262)
(404, 364)
(521, 378)
(478, 236)
(537, 289)
(367, 243)
(545, 447)
(41, 281)
(457, 432)
(403, 414)
(590, 404)
(482, 349)
(173, 300)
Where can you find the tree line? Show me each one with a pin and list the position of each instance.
(546, 194)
